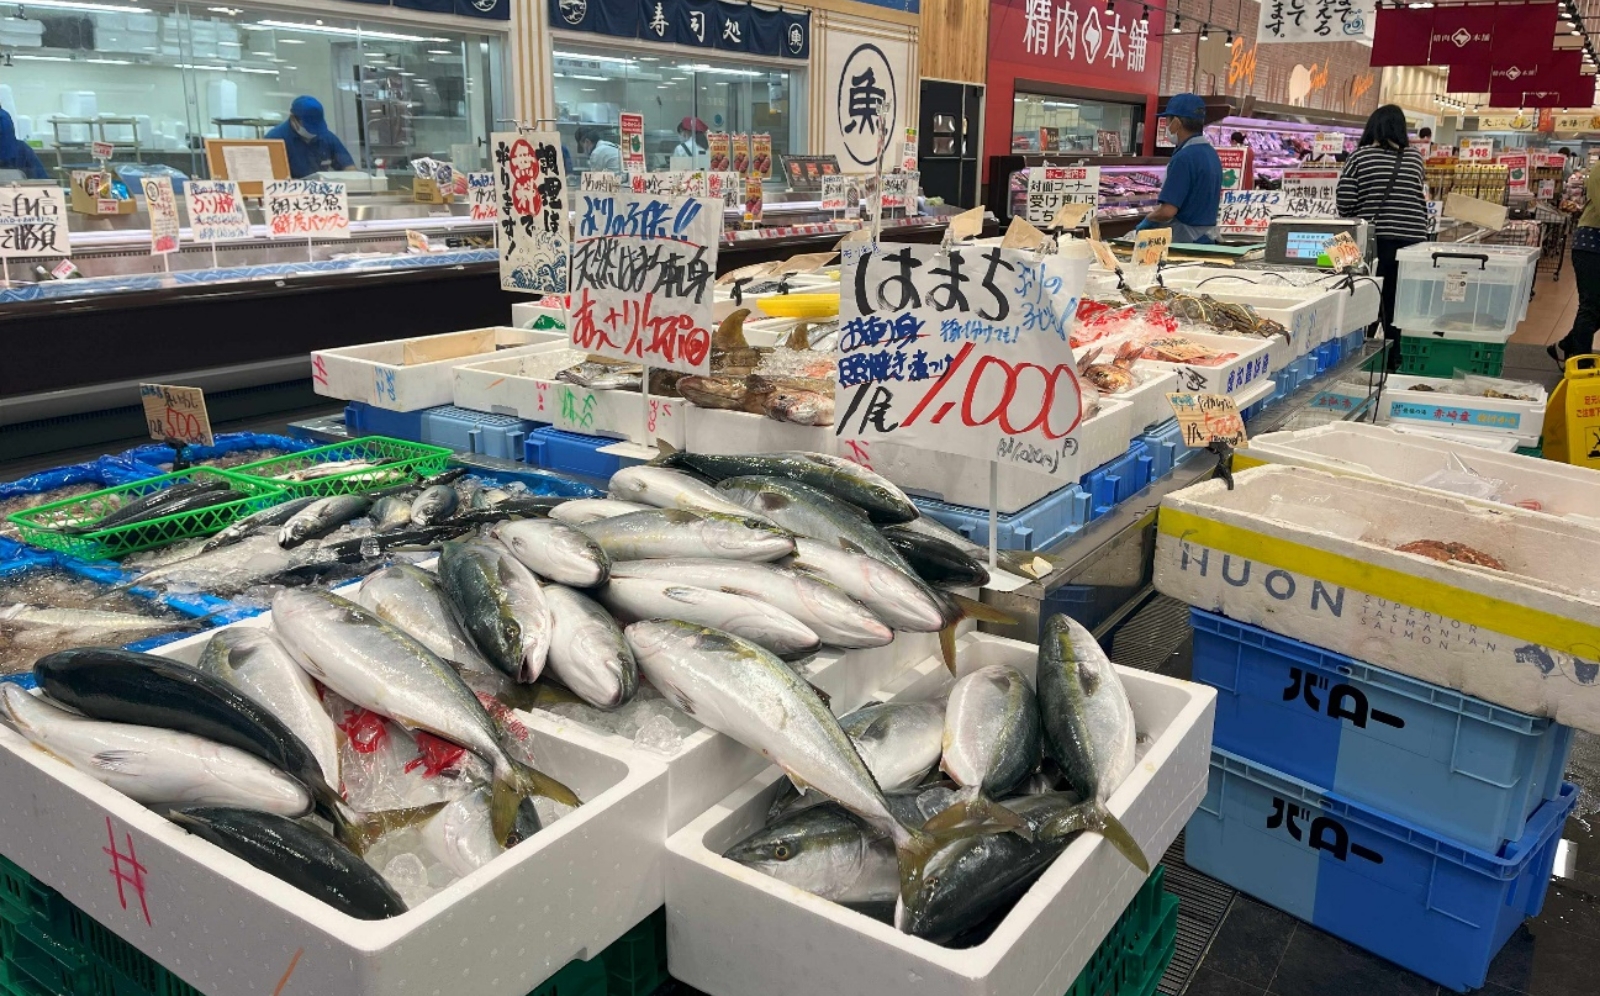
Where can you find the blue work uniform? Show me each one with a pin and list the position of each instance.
(17, 154)
(1193, 185)
(322, 152)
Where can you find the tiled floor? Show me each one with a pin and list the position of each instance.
(1550, 313)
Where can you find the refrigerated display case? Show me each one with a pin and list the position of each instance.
(1128, 186)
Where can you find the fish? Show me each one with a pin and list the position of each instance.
(256, 663)
(665, 533)
(936, 561)
(460, 835)
(581, 510)
(363, 548)
(722, 393)
(814, 514)
(390, 513)
(1087, 721)
(322, 517)
(664, 488)
(277, 515)
(632, 599)
(155, 766)
(836, 618)
(888, 593)
(991, 743)
(607, 375)
(555, 551)
(434, 505)
(378, 667)
(825, 851)
(972, 878)
(330, 468)
(488, 497)
(414, 600)
(880, 498)
(167, 501)
(87, 620)
(899, 741)
(587, 651)
(301, 855)
(799, 406)
(740, 690)
(500, 604)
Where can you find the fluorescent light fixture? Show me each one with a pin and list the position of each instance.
(590, 58)
(109, 62)
(586, 89)
(105, 8)
(581, 76)
(230, 11)
(328, 29)
(42, 58)
(264, 55)
(291, 41)
(441, 51)
(404, 73)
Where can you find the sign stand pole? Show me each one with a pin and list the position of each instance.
(214, 264)
(309, 257)
(644, 406)
(994, 516)
(6, 264)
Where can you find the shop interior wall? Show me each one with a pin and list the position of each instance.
(845, 46)
(954, 42)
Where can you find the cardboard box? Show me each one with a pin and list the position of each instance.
(425, 190)
(1312, 555)
(406, 375)
(735, 931)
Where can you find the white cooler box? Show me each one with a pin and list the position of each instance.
(1462, 291)
(405, 375)
(1440, 406)
(525, 386)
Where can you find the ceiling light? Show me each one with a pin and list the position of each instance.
(109, 62)
(264, 55)
(230, 11)
(582, 76)
(587, 89)
(1229, 42)
(291, 41)
(76, 5)
(441, 51)
(1177, 24)
(327, 29)
(577, 55)
(1144, 15)
(42, 58)
(1205, 32)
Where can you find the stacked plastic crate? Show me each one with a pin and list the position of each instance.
(1459, 304)
(1405, 817)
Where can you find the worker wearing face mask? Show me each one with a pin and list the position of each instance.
(1191, 194)
(311, 146)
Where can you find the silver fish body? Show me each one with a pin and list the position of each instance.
(991, 731)
(258, 664)
(389, 513)
(899, 741)
(435, 505)
(580, 510)
(277, 515)
(501, 605)
(24, 615)
(413, 599)
(322, 517)
(1088, 721)
(555, 551)
(892, 595)
(632, 599)
(666, 533)
(156, 766)
(836, 618)
(460, 835)
(825, 851)
(588, 653)
(806, 511)
(875, 494)
(665, 488)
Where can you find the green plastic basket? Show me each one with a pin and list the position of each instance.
(1130, 961)
(1430, 356)
(402, 462)
(42, 526)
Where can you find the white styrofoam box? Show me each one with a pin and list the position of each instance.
(1248, 366)
(712, 430)
(525, 387)
(1358, 304)
(722, 918)
(226, 927)
(1456, 289)
(222, 98)
(405, 375)
(148, 23)
(1493, 441)
(1443, 406)
(963, 480)
(1377, 451)
(79, 103)
(1260, 391)
(1148, 399)
(525, 313)
(1310, 314)
(1312, 555)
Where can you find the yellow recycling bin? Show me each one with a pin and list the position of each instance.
(1572, 418)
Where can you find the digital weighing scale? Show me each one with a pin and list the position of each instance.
(1300, 241)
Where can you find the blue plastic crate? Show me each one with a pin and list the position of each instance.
(1327, 356)
(1460, 767)
(1287, 381)
(467, 431)
(1307, 367)
(1422, 902)
(366, 420)
(1039, 526)
(1353, 342)
(572, 452)
(1164, 445)
(1117, 480)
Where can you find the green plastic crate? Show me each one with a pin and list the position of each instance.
(1133, 951)
(636, 965)
(403, 462)
(42, 526)
(1430, 356)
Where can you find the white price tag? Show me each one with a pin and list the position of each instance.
(1455, 286)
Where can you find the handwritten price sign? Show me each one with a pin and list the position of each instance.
(961, 351)
(176, 413)
(642, 272)
(162, 206)
(33, 222)
(481, 198)
(306, 208)
(1203, 418)
(216, 211)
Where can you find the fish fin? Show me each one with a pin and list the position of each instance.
(800, 784)
(919, 846)
(730, 334)
(516, 784)
(947, 646)
(954, 814)
(973, 609)
(360, 831)
(827, 699)
(1100, 820)
(666, 454)
(974, 810)
(122, 761)
(799, 337)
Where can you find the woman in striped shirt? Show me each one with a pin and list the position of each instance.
(1382, 183)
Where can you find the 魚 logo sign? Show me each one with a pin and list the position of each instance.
(867, 103)
(797, 38)
(574, 11)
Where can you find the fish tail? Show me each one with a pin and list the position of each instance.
(511, 786)
(947, 646)
(1099, 819)
(666, 455)
(360, 831)
(973, 609)
(978, 812)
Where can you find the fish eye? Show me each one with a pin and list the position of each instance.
(932, 882)
(782, 852)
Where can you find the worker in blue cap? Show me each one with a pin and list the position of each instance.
(311, 146)
(1192, 191)
(17, 154)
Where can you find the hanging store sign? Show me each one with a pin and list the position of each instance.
(531, 229)
(1284, 21)
(729, 27)
(1578, 122)
(1079, 35)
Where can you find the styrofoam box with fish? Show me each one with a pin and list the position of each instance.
(1313, 555)
(1310, 317)
(1406, 458)
(1357, 304)
(723, 918)
(964, 480)
(711, 430)
(225, 927)
(406, 375)
(1437, 399)
(525, 386)
(1148, 397)
(1248, 366)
